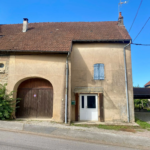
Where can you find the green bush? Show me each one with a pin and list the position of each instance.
(138, 103)
(145, 101)
(7, 103)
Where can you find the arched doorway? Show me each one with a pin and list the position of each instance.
(36, 99)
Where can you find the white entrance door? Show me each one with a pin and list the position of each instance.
(88, 107)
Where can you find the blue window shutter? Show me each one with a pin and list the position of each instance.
(99, 72)
(96, 71)
(101, 68)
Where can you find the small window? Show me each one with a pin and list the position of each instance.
(82, 101)
(1, 65)
(91, 102)
(99, 72)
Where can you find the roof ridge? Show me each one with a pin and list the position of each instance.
(63, 22)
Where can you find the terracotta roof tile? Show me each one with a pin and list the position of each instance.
(58, 37)
(148, 83)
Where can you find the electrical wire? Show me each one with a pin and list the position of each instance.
(142, 28)
(136, 15)
(140, 44)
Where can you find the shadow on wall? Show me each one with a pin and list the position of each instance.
(110, 103)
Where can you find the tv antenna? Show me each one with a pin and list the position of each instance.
(120, 4)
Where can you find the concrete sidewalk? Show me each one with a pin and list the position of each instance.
(120, 138)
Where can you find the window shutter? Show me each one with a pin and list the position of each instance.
(96, 71)
(101, 71)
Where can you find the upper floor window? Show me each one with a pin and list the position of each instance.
(99, 72)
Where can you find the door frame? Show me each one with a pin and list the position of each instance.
(100, 102)
(96, 96)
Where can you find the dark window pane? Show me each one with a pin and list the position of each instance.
(82, 101)
(91, 102)
(1, 65)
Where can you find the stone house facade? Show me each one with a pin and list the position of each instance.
(68, 71)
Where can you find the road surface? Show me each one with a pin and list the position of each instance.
(22, 141)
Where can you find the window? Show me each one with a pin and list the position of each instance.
(82, 101)
(99, 72)
(91, 102)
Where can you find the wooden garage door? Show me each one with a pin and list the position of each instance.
(36, 99)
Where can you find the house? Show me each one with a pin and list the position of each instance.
(142, 93)
(147, 85)
(69, 71)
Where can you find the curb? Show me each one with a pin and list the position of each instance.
(78, 135)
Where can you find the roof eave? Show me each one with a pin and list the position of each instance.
(36, 51)
(73, 41)
(104, 41)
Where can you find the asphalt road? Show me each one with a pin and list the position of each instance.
(21, 141)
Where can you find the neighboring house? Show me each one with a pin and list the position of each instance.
(142, 93)
(147, 85)
(34, 62)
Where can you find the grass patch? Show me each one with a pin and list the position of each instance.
(143, 124)
(112, 127)
(118, 128)
(80, 125)
(109, 127)
(12, 120)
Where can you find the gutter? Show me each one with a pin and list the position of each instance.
(126, 82)
(103, 41)
(36, 51)
(66, 91)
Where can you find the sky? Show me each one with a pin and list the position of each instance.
(13, 12)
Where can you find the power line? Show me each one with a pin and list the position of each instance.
(140, 44)
(136, 15)
(142, 28)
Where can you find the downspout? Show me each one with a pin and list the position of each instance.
(66, 91)
(126, 82)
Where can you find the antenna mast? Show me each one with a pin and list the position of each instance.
(120, 4)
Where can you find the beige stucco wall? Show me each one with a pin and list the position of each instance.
(50, 67)
(84, 56)
(4, 74)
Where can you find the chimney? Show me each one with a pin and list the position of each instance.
(120, 20)
(25, 24)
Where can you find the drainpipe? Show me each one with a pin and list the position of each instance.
(66, 91)
(126, 82)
